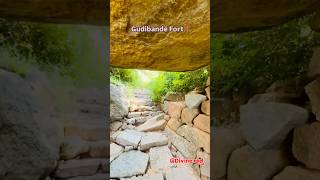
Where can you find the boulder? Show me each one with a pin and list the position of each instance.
(205, 107)
(194, 100)
(225, 140)
(199, 138)
(25, 147)
(188, 115)
(119, 107)
(306, 145)
(266, 125)
(202, 122)
(175, 108)
(174, 96)
(314, 66)
(153, 124)
(129, 138)
(249, 164)
(174, 124)
(152, 139)
(297, 173)
(82, 167)
(313, 92)
(129, 164)
(115, 151)
(181, 173)
(160, 158)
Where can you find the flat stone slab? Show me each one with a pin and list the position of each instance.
(153, 139)
(181, 173)
(160, 158)
(129, 138)
(129, 164)
(81, 167)
(115, 151)
(153, 124)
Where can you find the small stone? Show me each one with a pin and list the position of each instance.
(194, 100)
(202, 122)
(128, 148)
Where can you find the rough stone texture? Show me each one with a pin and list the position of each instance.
(72, 168)
(205, 107)
(24, 145)
(188, 115)
(114, 126)
(129, 138)
(119, 107)
(72, 147)
(153, 124)
(306, 145)
(194, 100)
(153, 139)
(175, 109)
(200, 138)
(181, 173)
(115, 151)
(235, 16)
(297, 173)
(202, 122)
(160, 158)
(314, 66)
(246, 163)
(187, 149)
(225, 140)
(129, 164)
(174, 124)
(313, 91)
(158, 51)
(266, 125)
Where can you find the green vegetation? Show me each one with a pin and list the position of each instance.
(251, 61)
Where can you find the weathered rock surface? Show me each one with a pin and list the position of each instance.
(152, 139)
(306, 145)
(114, 126)
(83, 167)
(174, 96)
(160, 158)
(188, 115)
(205, 107)
(119, 107)
(181, 173)
(266, 125)
(153, 124)
(194, 100)
(174, 124)
(202, 122)
(246, 163)
(129, 164)
(314, 66)
(175, 109)
(297, 173)
(313, 91)
(225, 140)
(129, 138)
(115, 151)
(208, 92)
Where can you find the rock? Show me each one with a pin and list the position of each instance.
(313, 91)
(114, 135)
(194, 100)
(166, 117)
(205, 168)
(160, 158)
(274, 97)
(297, 173)
(129, 164)
(114, 126)
(181, 173)
(187, 149)
(174, 124)
(119, 107)
(246, 163)
(152, 139)
(202, 122)
(99, 149)
(165, 106)
(128, 148)
(26, 149)
(205, 107)
(175, 108)
(225, 140)
(188, 115)
(174, 96)
(153, 124)
(306, 145)
(138, 114)
(72, 147)
(266, 125)
(129, 138)
(200, 138)
(93, 177)
(207, 90)
(115, 151)
(72, 168)
(314, 66)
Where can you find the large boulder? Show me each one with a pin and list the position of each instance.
(25, 149)
(175, 109)
(188, 115)
(306, 145)
(119, 107)
(313, 91)
(246, 163)
(225, 140)
(202, 122)
(266, 125)
(297, 173)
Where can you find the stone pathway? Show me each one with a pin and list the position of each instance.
(141, 148)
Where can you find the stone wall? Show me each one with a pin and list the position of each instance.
(188, 127)
(278, 136)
